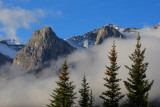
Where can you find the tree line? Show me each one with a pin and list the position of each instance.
(137, 84)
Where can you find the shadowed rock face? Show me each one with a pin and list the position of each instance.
(4, 59)
(106, 32)
(43, 46)
(84, 41)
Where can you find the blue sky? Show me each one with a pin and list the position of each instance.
(19, 18)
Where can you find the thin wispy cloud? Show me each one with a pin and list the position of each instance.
(14, 18)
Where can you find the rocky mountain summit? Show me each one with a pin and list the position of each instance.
(91, 38)
(106, 32)
(43, 46)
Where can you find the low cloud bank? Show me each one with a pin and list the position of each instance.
(20, 89)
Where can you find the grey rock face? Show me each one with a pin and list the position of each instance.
(106, 32)
(43, 46)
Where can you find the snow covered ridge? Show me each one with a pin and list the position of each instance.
(10, 47)
(12, 42)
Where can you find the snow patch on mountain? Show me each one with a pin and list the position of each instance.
(120, 29)
(5, 50)
(12, 42)
(10, 47)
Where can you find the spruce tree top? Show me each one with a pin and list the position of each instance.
(84, 92)
(112, 95)
(64, 95)
(137, 85)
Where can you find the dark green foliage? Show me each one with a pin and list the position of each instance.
(64, 95)
(137, 85)
(84, 92)
(112, 95)
(91, 99)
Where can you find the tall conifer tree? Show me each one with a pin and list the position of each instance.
(64, 95)
(84, 92)
(137, 85)
(112, 95)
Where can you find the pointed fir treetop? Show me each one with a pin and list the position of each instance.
(84, 80)
(138, 41)
(64, 95)
(138, 38)
(65, 67)
(113, 59)
(84, 92)
(137, 85)
(112, 95)
(64, 74)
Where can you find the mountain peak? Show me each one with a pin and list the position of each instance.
(43, 46)
(112, 25)
(45, 33)
(106, 32)
(120, 29)
(46, 29)
(89, 39)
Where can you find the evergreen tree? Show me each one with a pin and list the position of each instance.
(91, 99)
(137, 85)
(84, 92)
(64, 95)
(112, 95)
